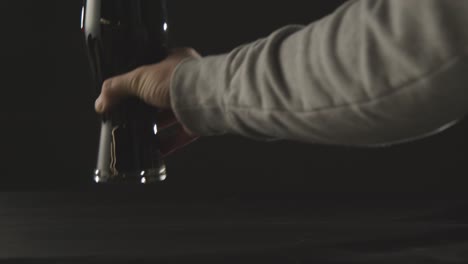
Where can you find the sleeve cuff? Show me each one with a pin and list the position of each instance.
(196, 98)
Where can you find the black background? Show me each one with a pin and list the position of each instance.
(49, 131)
(224, 195)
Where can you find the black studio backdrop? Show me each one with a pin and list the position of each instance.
(49, 131)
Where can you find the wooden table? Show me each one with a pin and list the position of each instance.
(116, 227)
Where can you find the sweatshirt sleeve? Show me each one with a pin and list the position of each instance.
(374, 72)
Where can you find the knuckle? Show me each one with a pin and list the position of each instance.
(189, 50)
(184, 51)
(107, 86)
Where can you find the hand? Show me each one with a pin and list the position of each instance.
(152, 85)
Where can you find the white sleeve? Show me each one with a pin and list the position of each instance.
(371, 73)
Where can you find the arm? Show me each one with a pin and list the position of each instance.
(372, 73)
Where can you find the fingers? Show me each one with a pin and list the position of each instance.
(149, 83)
(114, 90)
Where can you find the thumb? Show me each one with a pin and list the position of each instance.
(113, 91)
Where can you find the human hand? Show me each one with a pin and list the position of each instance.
(152, 85)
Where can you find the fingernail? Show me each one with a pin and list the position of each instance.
(98, 105)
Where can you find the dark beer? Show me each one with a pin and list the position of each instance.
(122, 35)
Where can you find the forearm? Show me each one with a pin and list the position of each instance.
(373, 72)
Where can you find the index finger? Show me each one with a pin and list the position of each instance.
(114, 90)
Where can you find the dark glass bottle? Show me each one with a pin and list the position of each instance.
(122, 35)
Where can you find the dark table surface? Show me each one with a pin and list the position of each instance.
(98, 227)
